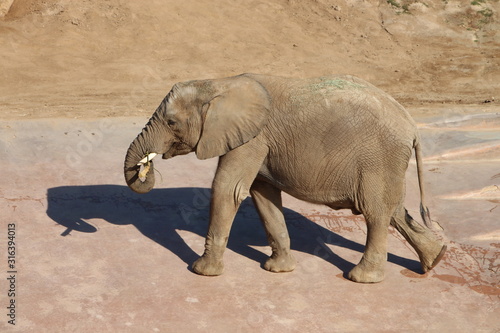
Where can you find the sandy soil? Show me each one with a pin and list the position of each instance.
(62, 58)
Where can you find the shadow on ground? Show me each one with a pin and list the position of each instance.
(160, 213)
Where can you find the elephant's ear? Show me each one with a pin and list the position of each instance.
(235, 115)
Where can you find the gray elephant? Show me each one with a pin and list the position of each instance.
(334, 140)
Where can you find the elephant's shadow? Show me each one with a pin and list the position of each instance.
(160, 213)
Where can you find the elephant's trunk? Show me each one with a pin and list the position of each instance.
(138, 149)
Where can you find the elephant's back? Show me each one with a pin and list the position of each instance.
(350, 100)
(333, 93)
(347, 93)
(322, 106)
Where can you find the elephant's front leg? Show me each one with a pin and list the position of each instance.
(222, 211)
(267, 199)
(235, 174)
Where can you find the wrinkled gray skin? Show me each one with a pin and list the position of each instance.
(337, 141)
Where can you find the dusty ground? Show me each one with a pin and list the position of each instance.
(117, 58)
(78, 80)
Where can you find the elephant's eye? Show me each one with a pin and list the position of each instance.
(171, 122)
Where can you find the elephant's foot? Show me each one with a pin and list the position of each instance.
(208, 266)
(430, 260)
(429, 248)
(363, 273)
(280, 263)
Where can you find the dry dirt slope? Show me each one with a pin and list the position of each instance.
(119, 57)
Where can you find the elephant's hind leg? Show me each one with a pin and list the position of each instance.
(371, 268)
(378, 197)
(429, 248)
(267, 200)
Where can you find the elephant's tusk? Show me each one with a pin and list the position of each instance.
(146, 159)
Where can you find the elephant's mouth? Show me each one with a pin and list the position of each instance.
(177, 148)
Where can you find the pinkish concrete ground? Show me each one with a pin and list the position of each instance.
(92, 256)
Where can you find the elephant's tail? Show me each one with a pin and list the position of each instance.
(424, 211)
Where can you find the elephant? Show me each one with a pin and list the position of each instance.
(333, 140)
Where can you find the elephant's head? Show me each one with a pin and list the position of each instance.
(209, 117)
